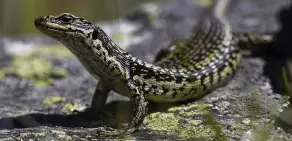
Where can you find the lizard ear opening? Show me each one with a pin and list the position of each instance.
(94, 34)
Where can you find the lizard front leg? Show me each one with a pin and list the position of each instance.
(99, 98)
(139, 110)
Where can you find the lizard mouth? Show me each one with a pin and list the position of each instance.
(44, 24)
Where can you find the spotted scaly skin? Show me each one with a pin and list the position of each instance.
(205, 61)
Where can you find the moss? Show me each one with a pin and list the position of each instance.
(29, 134)
(71, 107)
(58, 132)
(35, 66)
(204, 3)
(60, 73)
(238, 126)
(53, 100)
(254, 107)
(162, 121)
(66, 137)
(34, 69)
(2, 74)
(180, 120)
(40, 134)
(190, 113)
(62, 135)
(216, 127)
(200, 132)
(262, 132)
(193, 109)
(195, 122)
(198, 107)
(58, 50)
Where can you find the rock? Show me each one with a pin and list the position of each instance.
(237, 111)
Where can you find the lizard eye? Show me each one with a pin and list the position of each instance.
(66, 19)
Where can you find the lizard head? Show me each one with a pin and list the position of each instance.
(86, 41)
(70, 30)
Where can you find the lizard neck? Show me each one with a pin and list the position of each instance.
(103, 59)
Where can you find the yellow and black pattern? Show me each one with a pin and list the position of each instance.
(203, 62)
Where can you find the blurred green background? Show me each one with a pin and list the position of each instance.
(17, 16)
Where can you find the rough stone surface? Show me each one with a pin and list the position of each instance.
(244, 109)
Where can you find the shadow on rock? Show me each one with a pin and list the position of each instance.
(284, 120)
(279, 65)
(114, 114)
(280, 52)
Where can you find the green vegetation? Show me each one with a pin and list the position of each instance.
(204, 3)
(71, 107)
(61, 135)
(40, 134)
(58, 50)
(180, 120)
(53, 100)
(163, 121)
(37, 66)
(263, 132)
